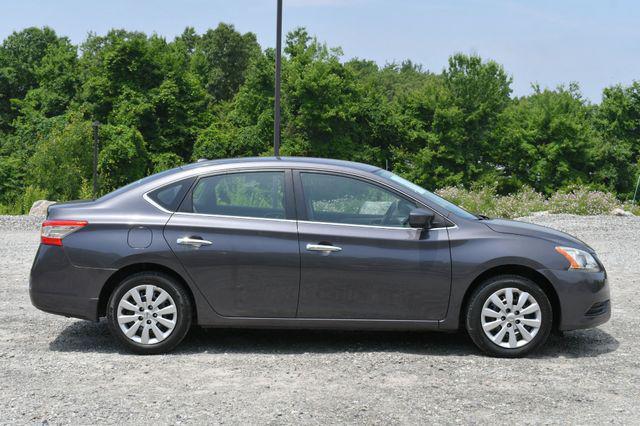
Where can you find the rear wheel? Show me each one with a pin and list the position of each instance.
(509, 316)
(149, 312)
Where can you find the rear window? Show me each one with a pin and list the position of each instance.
(170, 196)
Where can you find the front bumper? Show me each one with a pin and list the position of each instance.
(58, 287)
(584, 298)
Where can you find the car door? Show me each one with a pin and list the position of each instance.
(359, 258)
(235, 233)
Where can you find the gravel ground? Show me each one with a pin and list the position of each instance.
(20, 223)
(63, 370)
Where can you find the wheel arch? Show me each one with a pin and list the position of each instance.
(514, 269)
(128, 270)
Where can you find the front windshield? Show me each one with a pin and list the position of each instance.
(426, 194)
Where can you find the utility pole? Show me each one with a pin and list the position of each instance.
(96, 124)
(276, 106)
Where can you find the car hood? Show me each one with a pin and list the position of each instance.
(537, 231)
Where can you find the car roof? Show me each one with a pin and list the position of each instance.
(283, 161)
(171, 175)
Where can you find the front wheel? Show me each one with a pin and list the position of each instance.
(149, 312)
(509, 316)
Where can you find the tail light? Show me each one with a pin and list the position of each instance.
(53, 231)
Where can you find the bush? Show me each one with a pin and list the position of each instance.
(23, 204)
(632, 207)
(486, 201)
(581, 201)
(8, 209)
(478, 201)
(521, 204)
(11, 178)
(578, 200)
(63, 159)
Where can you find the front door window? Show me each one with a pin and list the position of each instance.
(340, 199)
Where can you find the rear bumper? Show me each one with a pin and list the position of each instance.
(69, 306)
(584, 298)
(58, 287)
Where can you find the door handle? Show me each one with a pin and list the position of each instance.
(195, 242)
(323, 248)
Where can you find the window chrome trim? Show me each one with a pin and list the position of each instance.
(153, 203)
(391, 228)
(223, 216)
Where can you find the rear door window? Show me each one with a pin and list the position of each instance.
(245, 194)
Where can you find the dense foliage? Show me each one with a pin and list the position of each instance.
(164, 103)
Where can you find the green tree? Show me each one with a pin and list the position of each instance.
(449, 119)
(617, 158)
(115, 62)
(328, 111)
(146, 83)
(62, 160)
(162, 104)
(221, 58)
(479, 92)
(188, 39)
(123, 157)
(17, 148)
(544, 140)
(21, 55)
(165, 161)
(433, 152)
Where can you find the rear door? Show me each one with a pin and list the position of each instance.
(359, 258)
(236, 235)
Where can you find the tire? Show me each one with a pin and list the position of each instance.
(150, 331)
(526, 325)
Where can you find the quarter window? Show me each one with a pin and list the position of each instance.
(250, 194)
(170, 196)
(340, 199)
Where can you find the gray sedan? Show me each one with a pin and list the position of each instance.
(308, 243)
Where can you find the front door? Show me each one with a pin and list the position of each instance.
(238, 241)
(359, 258)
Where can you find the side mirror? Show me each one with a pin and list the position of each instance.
(420, 218)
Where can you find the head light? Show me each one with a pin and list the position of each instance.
(579, 259)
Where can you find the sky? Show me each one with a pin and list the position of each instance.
(595, 43)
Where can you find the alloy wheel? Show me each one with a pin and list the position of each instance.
(511, 318)
(147, 314)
